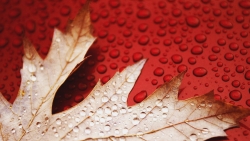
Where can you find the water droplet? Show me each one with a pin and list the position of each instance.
(192, 21)
(183, 47)
(142, 115)
(176, 12)
(221, 42)
(164, 109)
(176, 58)
(137, 56)
(114, 98)
(167, 78)
(139, 97)
(125, 130)
(158, 103)
(191, 60)
(3, 42)
(58, 121)
(107, 110)
(246, 44)
(235, 95)
(56, 134)
(158, 71)
(13, 131)
(143, 40)
(197, 50)
(143, 14)
(14, 13)
(212, 57)
(247, 75)
(240, 69)
(226, 24)
(105, 99)
(65, 10)
(101, 69)
(200, 38)
(229, 56)
(142, 27)
(135, 121)
(233, 46)
(155, 51)
(30, 26)
(204, 131)
(167, 42)
(199, 71)
(87, 130)
(82, 113)
(215, 49)
(182, 68)
(193, 137)
(76, 129)
(38, 124)
(244, 4)
(114, 3)
(107, 127)
(32, 68)
(114, 53)
(163, 60)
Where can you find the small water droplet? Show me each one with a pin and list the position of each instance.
(142, 115)
(135, 121)
(33, 77)
(164, 109)
(32, 68)
(58, 121)
(193, 137)
(125, 130)
(13, 131)
(107, 127)
(158, 103)
(114, 98)
(56, 134)
(82, 113)
(87, 130)
(41, 67)
(205, 131)
(38, 124)
(117, 131)
(76, 129)
(105, 99)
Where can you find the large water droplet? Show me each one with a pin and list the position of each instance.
(192, 21)
(226, 24)
(139, 97)
(235, 95)
(199, 71)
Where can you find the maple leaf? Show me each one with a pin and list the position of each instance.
(104, 114)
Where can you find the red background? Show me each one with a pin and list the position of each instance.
(173, 35)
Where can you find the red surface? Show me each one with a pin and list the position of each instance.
(209, 38)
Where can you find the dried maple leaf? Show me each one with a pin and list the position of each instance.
(104, 114)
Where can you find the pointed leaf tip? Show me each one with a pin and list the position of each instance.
(29, 49)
